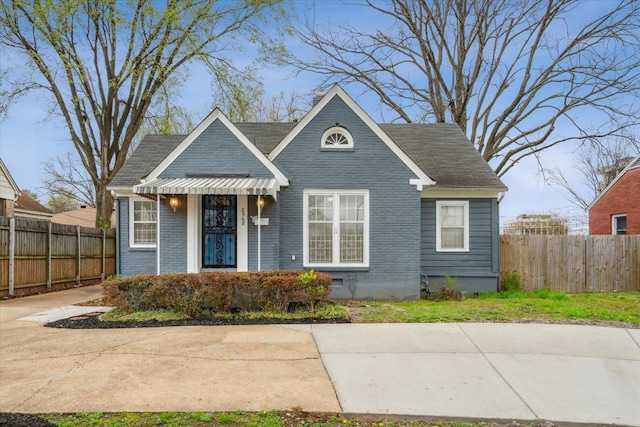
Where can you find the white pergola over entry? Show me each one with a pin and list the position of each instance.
(238, 186)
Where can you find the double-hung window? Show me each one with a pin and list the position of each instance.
(619, 224)
(142, 223)
(452, 226)
(336, 228)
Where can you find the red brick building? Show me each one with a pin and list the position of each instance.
(616, 210)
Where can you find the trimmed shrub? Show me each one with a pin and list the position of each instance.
(190, 294)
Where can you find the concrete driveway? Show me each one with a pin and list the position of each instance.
(560, 373)
(154, 369)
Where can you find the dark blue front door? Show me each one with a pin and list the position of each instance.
(219, 231)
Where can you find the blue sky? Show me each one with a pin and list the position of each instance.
(28, 137)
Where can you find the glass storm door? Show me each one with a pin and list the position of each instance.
(219, 231)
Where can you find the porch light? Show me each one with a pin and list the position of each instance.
(261, 202)
(174, 203)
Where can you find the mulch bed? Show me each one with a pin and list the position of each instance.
(92, 321)
(11, 419)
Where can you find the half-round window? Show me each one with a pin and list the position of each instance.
(337, 137)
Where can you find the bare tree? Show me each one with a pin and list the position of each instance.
(67, 183)
(166, 118)
(597, 165)
(249, 104)
(104, 61)
(510, 73)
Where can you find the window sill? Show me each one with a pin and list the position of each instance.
(142, 248)
(330, 268)
(348, 149)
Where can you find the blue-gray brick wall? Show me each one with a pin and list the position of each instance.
(173, 236)
(269, 236)
(216, 151)
(476, 270)
(132, 261)
(394, 205)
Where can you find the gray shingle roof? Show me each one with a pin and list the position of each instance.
(445, 154)
(265, 136)
(441, 150)
(150, 152)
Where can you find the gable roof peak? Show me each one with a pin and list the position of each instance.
(216, 115)
(421, 179)
(632, 165)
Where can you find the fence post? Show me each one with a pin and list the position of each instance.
(12, 252)
(103, 253)
(79, 254)
(49, 257)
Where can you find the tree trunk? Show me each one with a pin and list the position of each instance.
(104, 206)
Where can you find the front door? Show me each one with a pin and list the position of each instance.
(219, 231)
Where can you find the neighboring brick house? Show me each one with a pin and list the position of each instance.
(373, 205)
(616, 210)
(9, 191)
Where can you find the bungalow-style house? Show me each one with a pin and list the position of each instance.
(616, 210)
(373, 205)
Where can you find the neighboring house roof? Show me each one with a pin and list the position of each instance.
(441, 151)
(635, 163)
(27, 207)
(8, 187)
(85, 217)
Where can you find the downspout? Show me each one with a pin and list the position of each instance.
(259, 230)
(118, 228)
(158, 234)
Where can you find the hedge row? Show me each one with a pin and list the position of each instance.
(218, 292)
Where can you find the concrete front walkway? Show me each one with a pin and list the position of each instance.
(560, 373)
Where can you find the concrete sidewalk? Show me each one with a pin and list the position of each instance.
(559, 373)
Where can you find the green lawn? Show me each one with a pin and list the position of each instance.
(239, 419)
(540, 305)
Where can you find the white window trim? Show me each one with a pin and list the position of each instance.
(465, 205)
(341, 131)
(336, 229)
(131, 229)
(614, 222)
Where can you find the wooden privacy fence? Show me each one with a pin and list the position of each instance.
(38, 255)
(573, 263)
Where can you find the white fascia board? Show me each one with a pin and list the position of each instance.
(467, 193)
(422, 178)
(123, 192)
(612, 183)
(217, 114)
(26, 213)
